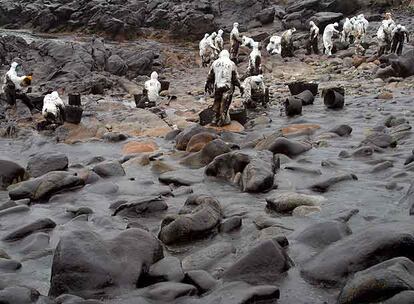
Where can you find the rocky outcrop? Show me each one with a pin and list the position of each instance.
(353, 253)
(379, 282)
(200, 215)
(84, 264)
(42, 163)
(10, 173)
(90, 67)
(42, 188)
(263, 264)
(252, 173)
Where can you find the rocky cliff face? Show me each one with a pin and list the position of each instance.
(128, 18)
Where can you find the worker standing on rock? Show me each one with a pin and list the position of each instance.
(204, 51)
(274, 46)
(53, 108)
(347, 30)
(313, 38)
(255, 92)
(219, 42)
(287, 43)
(152, 88)
(399, 34)
(362, 27)
(384, 34)
(222, 79)
(13, 86)
(211, 43)
(255, 61)
(330, 30)
(235, 41)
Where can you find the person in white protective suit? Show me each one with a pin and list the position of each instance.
(53, 108)
(152, 88)
(287, 43)
(313, 38)
(365, 23)
(384, 34)
(347, 30)
(399, 35)
(211, 43)
(248, 42)
(222, 79)
(203, 50)
(218, 41)
(274, 46)
(235, 41)
(255, 92)
(13, 87)
(255, 61)
(328, 33)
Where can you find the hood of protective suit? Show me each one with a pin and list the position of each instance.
(235, 24)
(336, 24)
(224, 54)
(14, 65)
(220, 32)
(55, 94)
(154, 75)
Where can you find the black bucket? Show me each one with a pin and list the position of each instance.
(206, 116)
(333, 98)
(165, 85)
(298, 87)
(73, 114)
(239, 115)
(74, 100)
(307, 97)
(293, 106)
(142, 101)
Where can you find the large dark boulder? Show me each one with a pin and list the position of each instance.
(355, 253)
(287, 147)
(323, 234)
(10, 173)
(109, 169)
(379, 282)
(85, 265)
(206, 155)
(263, 264)
(44, 162)
(19, 295)
(116, 65)
(240, 293)
(182, 139)
(200, 215)
(252, 173)
(36, 226)
(43, 187)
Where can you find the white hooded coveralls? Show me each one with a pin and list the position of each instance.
(327, 37)
(52, 104)
(274, 46)
(153, 87)
(12, 74)
(218, 41)
(255, 60)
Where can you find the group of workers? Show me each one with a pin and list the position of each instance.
(53, 110)
(223, 77)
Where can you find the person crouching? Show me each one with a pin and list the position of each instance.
(53, 108)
